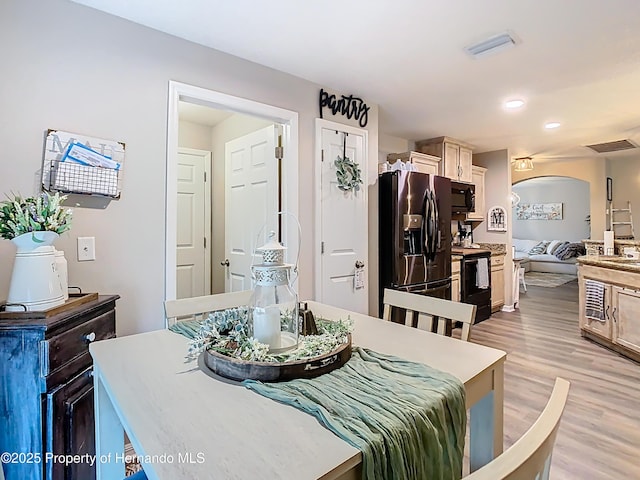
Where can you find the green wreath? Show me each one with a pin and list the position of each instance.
(348, 174)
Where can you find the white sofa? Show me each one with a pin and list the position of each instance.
(542, 262)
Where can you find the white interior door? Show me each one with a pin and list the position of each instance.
(342, 220)
(251, 200)
(193, 246)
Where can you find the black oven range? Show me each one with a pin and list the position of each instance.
(475, 279)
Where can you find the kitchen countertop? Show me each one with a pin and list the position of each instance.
(468, 251)
(611, 262)
(630, 243)
(496, 248)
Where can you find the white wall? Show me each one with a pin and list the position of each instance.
(591, 170)
(194, 135)
(390, 144)
(72, 68)
(574, 196)
(497, 188)
(625, 173)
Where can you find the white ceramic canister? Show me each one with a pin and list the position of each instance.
(63, 272)
(34, 281)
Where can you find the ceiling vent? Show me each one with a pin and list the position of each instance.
(491, 45)
(615, 146)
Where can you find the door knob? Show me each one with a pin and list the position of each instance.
(225, 263)
(359, 264)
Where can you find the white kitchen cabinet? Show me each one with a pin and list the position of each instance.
(456, 157)
(497, 282)
(455, 279)
(620, 328)
(626, 326)
(424, 163)
(480, 210)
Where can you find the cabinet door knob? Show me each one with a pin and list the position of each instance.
(225, 263)
(90, 337)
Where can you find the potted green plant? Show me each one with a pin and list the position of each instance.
(33, 224)
(43, 213)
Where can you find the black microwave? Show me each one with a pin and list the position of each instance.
(463, 197)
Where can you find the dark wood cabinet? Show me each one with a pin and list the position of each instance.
(46, 389)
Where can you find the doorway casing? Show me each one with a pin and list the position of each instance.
(209, 98)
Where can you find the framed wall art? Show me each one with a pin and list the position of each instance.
(497, 219)
(539, 211)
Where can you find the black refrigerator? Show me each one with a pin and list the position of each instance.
(414, 233)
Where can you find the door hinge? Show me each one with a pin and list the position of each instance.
(205, 242)
(321, 247)
(205, 177)
(322, 155)
(279, 150)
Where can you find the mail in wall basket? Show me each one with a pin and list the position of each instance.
(539, 211)
(76, 163)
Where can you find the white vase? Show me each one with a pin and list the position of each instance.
(63, 272)
(35, 283)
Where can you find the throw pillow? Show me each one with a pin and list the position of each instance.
(570, 250)
(561, 247)
(553, 244)
(539, 249)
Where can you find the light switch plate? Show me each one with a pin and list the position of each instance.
(86, 248)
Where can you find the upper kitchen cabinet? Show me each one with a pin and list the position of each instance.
(480, 208)
(424, 163)
(456, 157)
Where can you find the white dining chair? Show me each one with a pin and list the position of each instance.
(432, 311)
(196, 308)
(521, 273)
(530, 457)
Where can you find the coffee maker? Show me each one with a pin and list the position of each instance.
(464, 236)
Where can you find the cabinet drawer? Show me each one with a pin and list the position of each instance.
(455, 267)
(74, 342)
(497, 260)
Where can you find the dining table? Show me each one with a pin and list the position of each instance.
(185, 422)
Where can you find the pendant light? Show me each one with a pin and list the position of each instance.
(523, 164)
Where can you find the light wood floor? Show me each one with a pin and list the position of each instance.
(599, 437)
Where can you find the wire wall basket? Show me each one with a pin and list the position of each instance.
(68, 177)
(78, 164)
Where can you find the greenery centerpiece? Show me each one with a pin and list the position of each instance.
(225, 332)
(44, 212)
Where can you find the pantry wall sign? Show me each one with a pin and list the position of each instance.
(347, 105)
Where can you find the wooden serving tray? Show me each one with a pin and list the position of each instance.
(75, 300)
(239, 370)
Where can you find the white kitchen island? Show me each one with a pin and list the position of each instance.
(186, 423)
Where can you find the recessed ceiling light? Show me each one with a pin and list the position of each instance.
(551, 125)
(514, 103)
(492, 44)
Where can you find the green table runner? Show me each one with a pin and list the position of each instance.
(188, 328)
(408, 419)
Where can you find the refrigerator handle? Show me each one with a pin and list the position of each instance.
(436, 226)
(427, 225)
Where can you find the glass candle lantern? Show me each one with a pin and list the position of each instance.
(274, 304)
